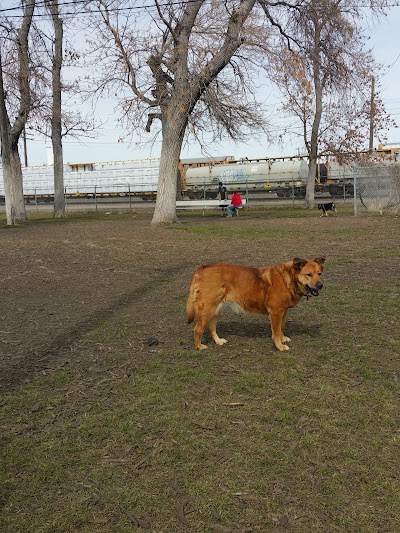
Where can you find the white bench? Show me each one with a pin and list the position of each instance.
(205, 204)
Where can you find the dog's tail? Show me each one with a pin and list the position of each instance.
(190, 311)
(191, 301)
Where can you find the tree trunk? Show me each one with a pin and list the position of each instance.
(59, 199)
(13, 188)
(310, 190)
(10, 133)
(173, 133)
(313, 154)
(313, 148)
(56, 134)
(177, 105)
(12, 173)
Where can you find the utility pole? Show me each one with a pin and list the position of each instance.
(372, 116)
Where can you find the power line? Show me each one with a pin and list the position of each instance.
(392, 65)
(40, 4)
(118, 9)
(83, 2)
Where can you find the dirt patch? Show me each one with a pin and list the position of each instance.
(59, 280)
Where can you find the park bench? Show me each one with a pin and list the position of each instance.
(206, 204)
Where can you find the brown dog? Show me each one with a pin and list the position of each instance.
(265, 290)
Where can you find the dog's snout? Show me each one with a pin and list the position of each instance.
(319, 285)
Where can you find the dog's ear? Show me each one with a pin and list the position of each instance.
(299, 263)
(320, 260)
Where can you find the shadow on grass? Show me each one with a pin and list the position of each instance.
(241, 328)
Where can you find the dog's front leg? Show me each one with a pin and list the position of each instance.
(283, 336)
(277, 319)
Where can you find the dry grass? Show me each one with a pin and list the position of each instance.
(127, 428)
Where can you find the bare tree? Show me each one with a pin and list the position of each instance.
(352, 119)
(48, 116)
(14, 100)
(322, 75)
(186, 72)
(56, 118)
(56, 101)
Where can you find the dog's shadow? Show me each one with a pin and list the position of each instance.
(261, 328)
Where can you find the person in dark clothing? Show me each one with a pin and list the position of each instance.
(222, 192)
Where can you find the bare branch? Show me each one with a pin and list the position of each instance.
(133, 84)
(274, 23)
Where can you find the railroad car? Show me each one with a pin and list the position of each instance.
(199, 177)
(284, 176)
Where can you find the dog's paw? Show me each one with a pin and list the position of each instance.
(286, 339)
(220, 341)
(202, 347)
(283, 348)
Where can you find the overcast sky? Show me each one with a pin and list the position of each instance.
(384, 40)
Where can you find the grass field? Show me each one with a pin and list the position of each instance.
(123, 426)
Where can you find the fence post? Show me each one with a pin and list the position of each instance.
(292, 193)
(378, 204)
(355, 191)
(95, 196)
(130, 197)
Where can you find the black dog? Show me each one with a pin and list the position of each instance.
(330, 206)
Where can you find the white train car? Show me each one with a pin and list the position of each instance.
(281, 175)
(284, 176)
(107, 179)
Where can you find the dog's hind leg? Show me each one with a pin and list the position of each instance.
(207, 315)
(198, 333)
(212, 328)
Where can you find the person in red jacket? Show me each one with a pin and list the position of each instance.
(236, 201)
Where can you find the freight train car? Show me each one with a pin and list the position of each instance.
(130, 178)
(136, 178)
(285, 176)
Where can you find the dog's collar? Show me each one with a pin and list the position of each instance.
(300, 292)
(297, 290)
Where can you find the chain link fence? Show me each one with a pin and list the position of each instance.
(376, 189)
(372, 189)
